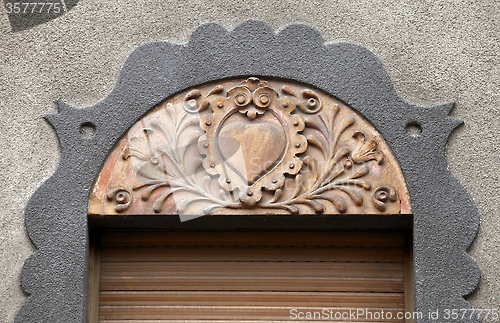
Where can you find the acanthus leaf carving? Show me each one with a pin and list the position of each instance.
(162, 162)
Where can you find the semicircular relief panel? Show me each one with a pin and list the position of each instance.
(251, 146)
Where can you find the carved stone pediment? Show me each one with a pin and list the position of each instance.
(251, 146)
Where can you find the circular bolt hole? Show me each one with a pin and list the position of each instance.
(414, 129)
(87, 130)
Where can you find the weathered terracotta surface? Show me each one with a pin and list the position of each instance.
(251, 146)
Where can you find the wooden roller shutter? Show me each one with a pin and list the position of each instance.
(248, 276)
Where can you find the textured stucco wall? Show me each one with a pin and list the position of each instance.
(435, 52)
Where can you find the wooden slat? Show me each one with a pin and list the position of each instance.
(291, 299)
(252, 254)
(256, 283)
(253, 269)
(267, 313)
(255, 239)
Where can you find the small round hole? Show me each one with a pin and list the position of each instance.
(414, 129)
(87, 130)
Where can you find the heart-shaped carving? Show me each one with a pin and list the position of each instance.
(261, 145)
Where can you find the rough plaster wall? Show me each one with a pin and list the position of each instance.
(434, 51)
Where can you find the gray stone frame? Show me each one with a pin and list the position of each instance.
(445, 218)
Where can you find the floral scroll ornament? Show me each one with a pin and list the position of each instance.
(250, 146)
(121, 197)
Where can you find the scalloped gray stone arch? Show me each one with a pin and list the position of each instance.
(445, 218)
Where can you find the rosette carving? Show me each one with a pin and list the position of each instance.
(255, 145)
